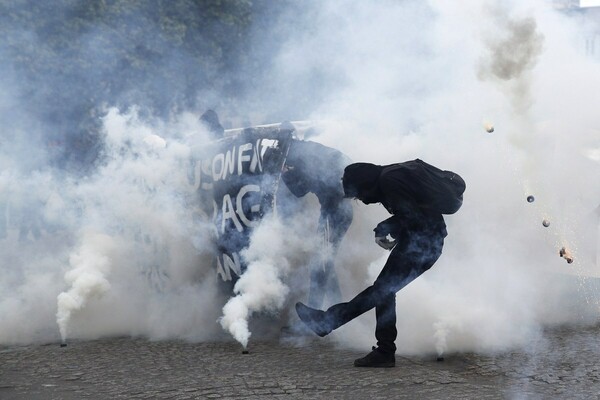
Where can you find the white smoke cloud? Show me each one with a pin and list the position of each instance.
(116, 252)
(87, 279)
(396, 81)
(274, 250)
(422, 89)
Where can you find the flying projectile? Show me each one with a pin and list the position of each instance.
(566, 254)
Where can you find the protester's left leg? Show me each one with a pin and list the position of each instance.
(385, 330)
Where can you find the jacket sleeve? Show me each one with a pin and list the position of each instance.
(391, 226)
(397, 198)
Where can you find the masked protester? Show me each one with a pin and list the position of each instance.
(416, 194)
(314, 168)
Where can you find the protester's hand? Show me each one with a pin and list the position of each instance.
(384, 242)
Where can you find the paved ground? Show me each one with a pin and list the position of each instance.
(563, 364)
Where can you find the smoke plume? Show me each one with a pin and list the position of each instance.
(513, 50)
(125, 248)
(91, 266)
(274, 250)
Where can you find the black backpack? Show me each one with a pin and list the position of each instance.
(430, 188)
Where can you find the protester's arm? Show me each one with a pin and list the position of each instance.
(390, 226)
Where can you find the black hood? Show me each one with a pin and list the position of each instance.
(211, 120)
(361, 181)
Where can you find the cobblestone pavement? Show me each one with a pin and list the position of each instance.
(563, 363)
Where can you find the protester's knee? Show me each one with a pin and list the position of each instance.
(385, 288)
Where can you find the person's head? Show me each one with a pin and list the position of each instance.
(210, 119)
(287, 125)
(360, 181)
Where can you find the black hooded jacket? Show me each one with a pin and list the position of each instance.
(315, 168)
(391, 186)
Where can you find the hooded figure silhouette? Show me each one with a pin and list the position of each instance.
(417, 234)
